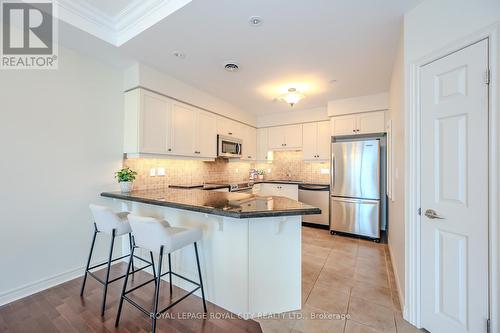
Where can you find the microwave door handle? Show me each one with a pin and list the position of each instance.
(238, 149)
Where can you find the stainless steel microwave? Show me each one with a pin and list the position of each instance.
(228, 146)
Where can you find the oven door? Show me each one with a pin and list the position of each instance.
(228, 146)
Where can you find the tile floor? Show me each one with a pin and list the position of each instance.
(348, 286)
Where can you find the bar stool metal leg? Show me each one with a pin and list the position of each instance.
(157, 290)
(124, 288)
(106, 282)
(152, 264)
(170, 273)
(131, 242)
(199, 275)
(88, 261)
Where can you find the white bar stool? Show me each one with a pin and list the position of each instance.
(158, 236)
(114, 224)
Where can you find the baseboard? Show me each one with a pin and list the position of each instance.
(402, 303)
(37, 286)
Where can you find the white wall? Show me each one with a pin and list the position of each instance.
(396, 230)
(292, 117)
(142, 75)
(433, 25)
(61, 137)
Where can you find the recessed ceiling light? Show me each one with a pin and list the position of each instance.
(255, 21)
(231, 67)
(179, 54)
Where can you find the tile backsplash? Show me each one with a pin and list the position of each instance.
(186, 171)
(290, 163)
(220, 170)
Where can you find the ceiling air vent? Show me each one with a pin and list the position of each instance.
(231, 67)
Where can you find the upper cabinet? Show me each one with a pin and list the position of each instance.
(249, 137)
(361, 123)
(226, 126)
(155, 124)
(263, 151)
(285, 137)
(147, 122)
(316, 140)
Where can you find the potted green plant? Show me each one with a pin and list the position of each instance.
(260, 172)
(126, 177)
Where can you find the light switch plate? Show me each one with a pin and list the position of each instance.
(152, 172)
(160, 171)
(324, 171)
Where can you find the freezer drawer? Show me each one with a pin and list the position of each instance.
(356, 216)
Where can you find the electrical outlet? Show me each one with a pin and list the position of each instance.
(161, 171)
(268, 170)
(324, 171)
(237, 170)
(152, 172)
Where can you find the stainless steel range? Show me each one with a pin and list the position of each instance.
(244, 187)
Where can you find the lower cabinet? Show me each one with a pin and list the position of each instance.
(279, 190)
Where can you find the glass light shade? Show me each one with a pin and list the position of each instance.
(292, 97)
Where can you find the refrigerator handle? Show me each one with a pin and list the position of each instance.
(332, 175)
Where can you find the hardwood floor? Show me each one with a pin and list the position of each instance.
(60, 309)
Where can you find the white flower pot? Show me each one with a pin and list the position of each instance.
(126, 187)
(261, 177)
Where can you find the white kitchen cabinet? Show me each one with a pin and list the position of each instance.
(206, 134)
(316, 141)
(287, 137)
(371, 122)
(183, 130)
(229, 127)
(147, 122)
(360, 123)
(263, 152)
(280, 190)
(324, 140)
(249, 137)
(155, 124)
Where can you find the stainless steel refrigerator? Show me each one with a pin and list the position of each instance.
(356, 187)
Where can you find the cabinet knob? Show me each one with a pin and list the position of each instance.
(354, 131)
(169, 149)
(230, 133)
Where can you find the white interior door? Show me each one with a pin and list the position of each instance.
(454, 185)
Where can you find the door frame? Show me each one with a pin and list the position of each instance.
(412, 302)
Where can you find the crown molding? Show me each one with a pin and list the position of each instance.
(128, 23)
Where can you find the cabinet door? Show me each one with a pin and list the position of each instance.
(262, 145)
(183, 138)
(371, 122)
(309, 141)
(249, 143)
(276, 138)
(154, 120)
(266, 190)
(324, 140)
(289, 191)
(344, 125)
(206, 134)
(226, 126)
(293, 136)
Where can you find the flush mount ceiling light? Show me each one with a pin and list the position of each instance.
(231, 67)
(292, 97)
(179, 54)
(255, 21)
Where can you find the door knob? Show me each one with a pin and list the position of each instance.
(430, 213)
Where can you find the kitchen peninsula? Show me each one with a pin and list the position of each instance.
(251, 246)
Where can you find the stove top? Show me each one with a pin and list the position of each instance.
(232, 186)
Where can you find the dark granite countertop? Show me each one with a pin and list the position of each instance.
(230, 204)
(294, 182)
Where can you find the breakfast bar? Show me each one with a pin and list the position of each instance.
(251, 246)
